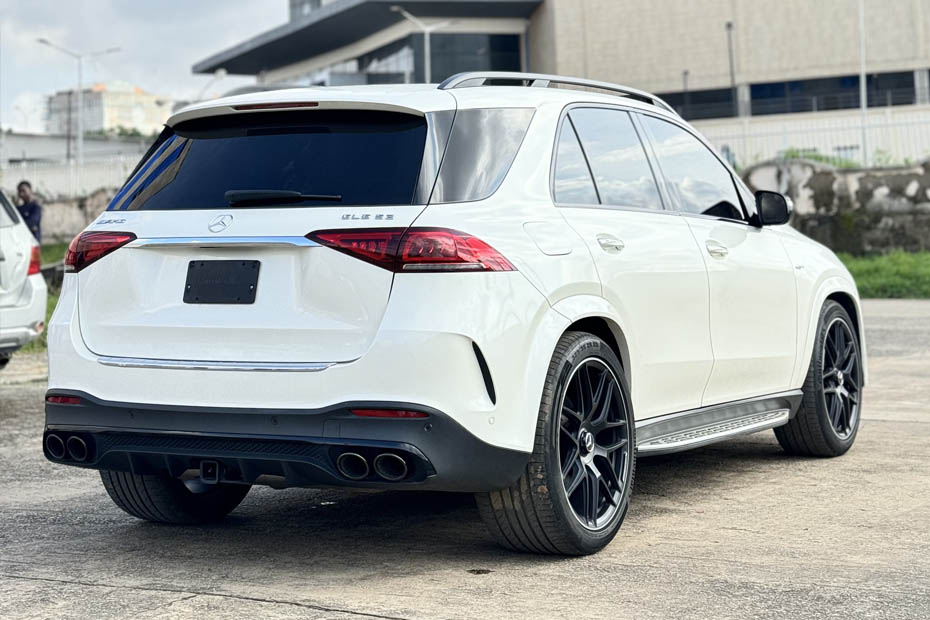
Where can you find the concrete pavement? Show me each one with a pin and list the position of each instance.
(736, 530)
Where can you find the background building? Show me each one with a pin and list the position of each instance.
(775, 76)
(108, 108)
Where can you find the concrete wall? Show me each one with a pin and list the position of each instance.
(857, 211)
(649, 44)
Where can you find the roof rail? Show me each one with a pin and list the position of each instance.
(539, 80)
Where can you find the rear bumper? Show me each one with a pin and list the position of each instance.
(282, 448)
(23, 322)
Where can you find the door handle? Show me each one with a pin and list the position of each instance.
(610, 244)
(716, 249)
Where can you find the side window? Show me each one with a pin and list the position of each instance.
(702, 184)
(617, 157)
(573, 182)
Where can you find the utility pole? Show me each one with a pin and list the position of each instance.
(68, 132)
(427, 30)
(863, 92)
(729, 28)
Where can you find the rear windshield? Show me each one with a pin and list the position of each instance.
(353, 157)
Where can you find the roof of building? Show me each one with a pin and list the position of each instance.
(340, 23)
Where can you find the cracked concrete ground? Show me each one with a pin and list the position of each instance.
(736, 530)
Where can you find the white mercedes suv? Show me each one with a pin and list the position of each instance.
(22, 288)
(490, 286)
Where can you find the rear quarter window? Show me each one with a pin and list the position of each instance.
(365, 157)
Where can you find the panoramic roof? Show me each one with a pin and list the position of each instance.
(342, 22)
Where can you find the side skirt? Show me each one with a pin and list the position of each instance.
(699, 427)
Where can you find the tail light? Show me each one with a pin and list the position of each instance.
(422, 250)
(35, 261)
(89, 247)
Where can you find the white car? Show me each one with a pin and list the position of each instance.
(22, 287)
(488, 286)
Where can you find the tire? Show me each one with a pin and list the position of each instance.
(537, 514)
(161, 499)
(4, 360)
(829, 396)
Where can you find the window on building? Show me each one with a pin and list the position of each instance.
(699, 181)
(618, 161)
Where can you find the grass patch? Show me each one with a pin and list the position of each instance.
(41, 343)
(898, 275)
(53, 252)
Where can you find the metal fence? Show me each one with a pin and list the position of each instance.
(68, 180)
(892, 137)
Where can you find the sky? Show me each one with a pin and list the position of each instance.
(159, 40)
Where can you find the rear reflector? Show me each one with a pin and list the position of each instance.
(35, 261)
(388, 413)
(63, 400)
(92, 246)
(421, 250)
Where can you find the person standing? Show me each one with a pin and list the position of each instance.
(30, 209)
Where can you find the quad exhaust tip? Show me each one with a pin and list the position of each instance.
(55, 446)
(390, 467)
(77, 449)
(352, 465)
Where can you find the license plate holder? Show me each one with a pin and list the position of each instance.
(221, 281)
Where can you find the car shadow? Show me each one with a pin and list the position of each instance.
(335, 531)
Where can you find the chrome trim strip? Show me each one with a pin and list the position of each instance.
(218, 242)
(139, 362)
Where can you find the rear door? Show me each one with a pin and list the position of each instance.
(753, 309)
(221, 269)
(15, 247)
(649, 265)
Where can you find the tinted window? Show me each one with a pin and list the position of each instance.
(366, 157)
(617, 158)
(573, 183)
(481, 150)
(699, 181)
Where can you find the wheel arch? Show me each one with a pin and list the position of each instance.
(608, 331)
(595, 315)
(844, 293)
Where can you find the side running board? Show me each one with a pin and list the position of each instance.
(700, 427)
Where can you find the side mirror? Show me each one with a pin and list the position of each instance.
(773, 208)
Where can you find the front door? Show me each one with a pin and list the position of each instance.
(753, 295)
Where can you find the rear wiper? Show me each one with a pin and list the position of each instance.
(242, 196)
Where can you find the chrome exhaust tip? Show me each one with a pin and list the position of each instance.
(390, 467)
(352, 465)
(77, 449)
(55, 447)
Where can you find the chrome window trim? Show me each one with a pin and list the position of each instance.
(216, 242)
(140, 362)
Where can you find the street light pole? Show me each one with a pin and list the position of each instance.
(80, 88)
(732, 69)
(863, 92)
(684, 81)
(427, 46)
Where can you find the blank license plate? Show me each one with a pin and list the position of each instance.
(221, 282)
